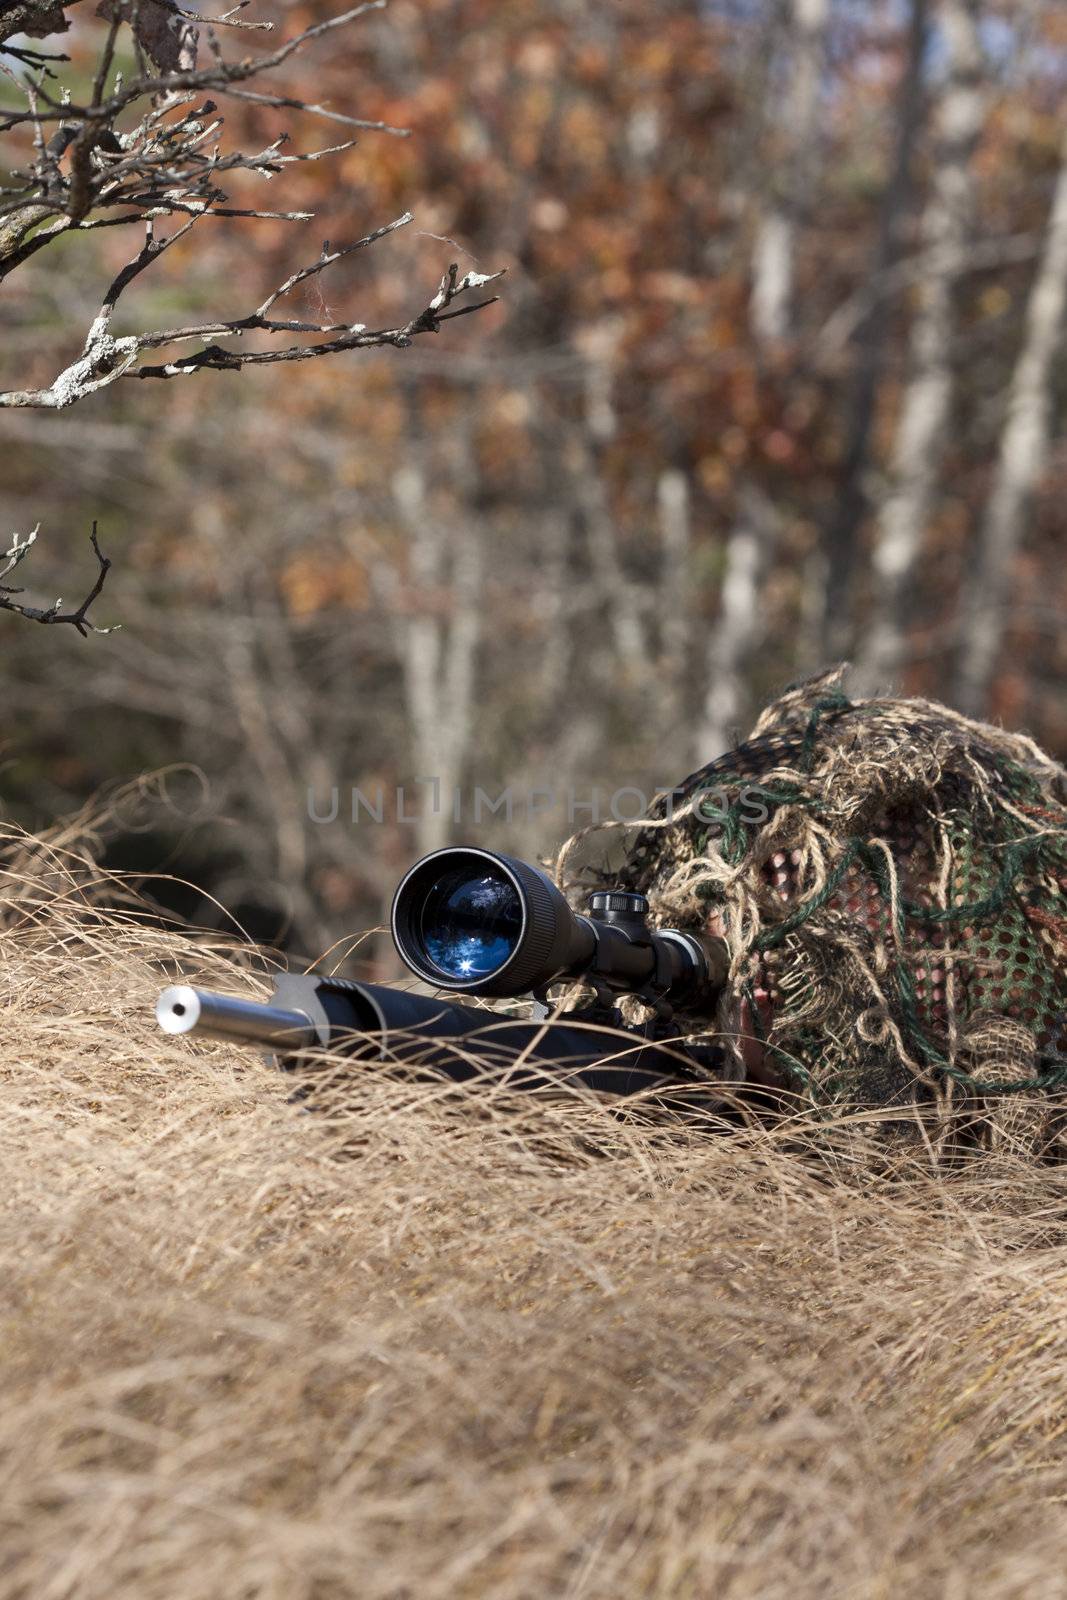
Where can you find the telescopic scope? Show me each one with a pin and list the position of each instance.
(478, 922)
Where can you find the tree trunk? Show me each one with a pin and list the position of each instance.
(439, 647)
(848, 510)
(1021, 461)
(926, 405)
(626, 604)
(739, 628)
(771, 302)
(675, 605)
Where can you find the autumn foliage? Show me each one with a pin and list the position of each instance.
(639, 512)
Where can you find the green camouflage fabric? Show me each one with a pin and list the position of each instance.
(889, 877)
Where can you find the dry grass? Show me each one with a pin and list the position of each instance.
(417, 1345)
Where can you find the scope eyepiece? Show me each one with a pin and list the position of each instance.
(478, 922)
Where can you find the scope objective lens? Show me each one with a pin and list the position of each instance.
(470, 922)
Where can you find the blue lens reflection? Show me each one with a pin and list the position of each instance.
(470, 923)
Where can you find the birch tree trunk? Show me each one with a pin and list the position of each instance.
(1021, 461)
(675, 603)
(626, 602)
(845, 517)
(771, 301)
(927, 400)
(439, 646)
(739, 628)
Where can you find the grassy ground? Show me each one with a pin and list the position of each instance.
(420, 1344)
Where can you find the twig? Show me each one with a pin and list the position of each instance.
(105, 357)
(217, 77)
(54, 615)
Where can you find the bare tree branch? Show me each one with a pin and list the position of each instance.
(218, 76)
(147, 148)
(35, 18)
(105, 357)
(91, 173)
(169, 161)
(52, 615)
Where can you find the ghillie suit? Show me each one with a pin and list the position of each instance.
(890, 878)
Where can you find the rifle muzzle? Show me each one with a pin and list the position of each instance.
(181, 1009)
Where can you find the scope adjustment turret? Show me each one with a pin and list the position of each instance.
(617, 905)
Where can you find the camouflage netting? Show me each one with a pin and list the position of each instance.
(889, 877)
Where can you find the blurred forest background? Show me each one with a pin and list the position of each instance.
(775, 380)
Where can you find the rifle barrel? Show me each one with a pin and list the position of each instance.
(180, 1009)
